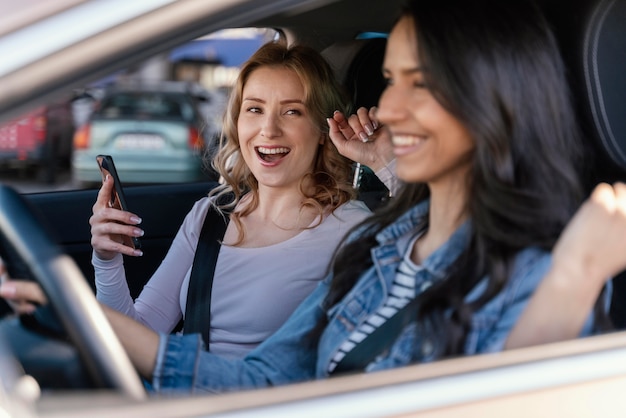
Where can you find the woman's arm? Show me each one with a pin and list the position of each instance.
(140, 342)
(180, 362)
(591, 250)
(158, 304)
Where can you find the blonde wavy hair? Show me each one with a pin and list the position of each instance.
(328, 186)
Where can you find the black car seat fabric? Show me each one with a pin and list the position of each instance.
(604, 64)
(358, 67)
(594, 46)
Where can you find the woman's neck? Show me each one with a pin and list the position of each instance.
(281, 207)
(278, 216)
(448, 210)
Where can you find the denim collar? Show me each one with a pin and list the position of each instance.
(406, 225)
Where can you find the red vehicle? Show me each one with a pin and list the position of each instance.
(40, 140)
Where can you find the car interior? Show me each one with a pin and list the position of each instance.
(592, 34)
(594, 49)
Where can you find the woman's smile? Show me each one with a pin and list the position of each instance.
(271, 156)
(406, 144)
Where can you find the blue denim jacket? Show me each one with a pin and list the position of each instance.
(285, 357)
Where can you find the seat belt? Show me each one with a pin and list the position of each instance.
(381, 339)
(198, 307)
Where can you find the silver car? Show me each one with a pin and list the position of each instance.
(154, 134)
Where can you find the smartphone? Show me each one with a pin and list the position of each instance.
(117, 199)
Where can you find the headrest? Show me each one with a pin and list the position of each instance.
(604, 67)
(357, 65)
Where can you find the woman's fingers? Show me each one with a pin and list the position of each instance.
(109, 225)
(361, 139)
(364, 121)
(105, 193)
(23, 296)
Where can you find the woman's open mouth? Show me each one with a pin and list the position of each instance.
(272, 154)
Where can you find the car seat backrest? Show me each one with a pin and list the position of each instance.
(604, 64)
(593, 37)
(358, 67)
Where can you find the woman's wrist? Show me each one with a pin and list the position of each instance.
(387, 175)
(571, 276)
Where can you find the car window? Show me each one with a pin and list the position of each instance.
(171, 104)
(148, 105)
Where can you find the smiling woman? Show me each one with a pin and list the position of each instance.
(286, 189)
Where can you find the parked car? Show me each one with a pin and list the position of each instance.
(153, 132)
(38, 142)
(50, 231)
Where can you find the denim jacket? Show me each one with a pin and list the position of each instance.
(287, 357)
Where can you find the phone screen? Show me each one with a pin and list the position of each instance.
(117, 199)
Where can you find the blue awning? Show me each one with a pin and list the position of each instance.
(227, 52)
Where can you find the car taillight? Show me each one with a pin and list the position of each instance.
(195, 140)
(81, 137)
(39, 123)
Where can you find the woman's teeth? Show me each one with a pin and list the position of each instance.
(281, 150)
(405, 140)
(272, 154)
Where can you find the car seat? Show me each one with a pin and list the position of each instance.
(594, 49)
(358, 67)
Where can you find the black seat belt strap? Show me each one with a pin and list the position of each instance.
(378, 341)
(198, 308)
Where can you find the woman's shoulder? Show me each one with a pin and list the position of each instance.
(201, 205)
(197, 213)
(353, 207)
(347, 215)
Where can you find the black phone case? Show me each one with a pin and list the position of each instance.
(118, 199)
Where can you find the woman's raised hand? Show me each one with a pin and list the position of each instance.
(361, 138)
(594, 242)
(109, 226)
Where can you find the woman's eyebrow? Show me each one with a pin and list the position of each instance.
(285, 101)
(289, 101)
(407, 71)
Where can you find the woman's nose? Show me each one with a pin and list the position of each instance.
(390, 105)
(271, 127)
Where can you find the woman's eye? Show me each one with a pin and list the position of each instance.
(387, 81)
(420, 84)
(293, 112)
(253, 110)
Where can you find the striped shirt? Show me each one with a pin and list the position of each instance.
(401, 292)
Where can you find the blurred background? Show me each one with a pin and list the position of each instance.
(170, 106)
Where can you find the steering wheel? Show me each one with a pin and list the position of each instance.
(69, 294)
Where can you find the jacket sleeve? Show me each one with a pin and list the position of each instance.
(498, 317)
(286, 357)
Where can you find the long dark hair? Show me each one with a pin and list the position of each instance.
(495, 66)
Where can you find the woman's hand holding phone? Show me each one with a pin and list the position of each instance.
(112, 229)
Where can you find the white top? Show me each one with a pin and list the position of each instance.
(254, 289)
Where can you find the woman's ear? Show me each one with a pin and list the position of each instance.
(323, 138)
